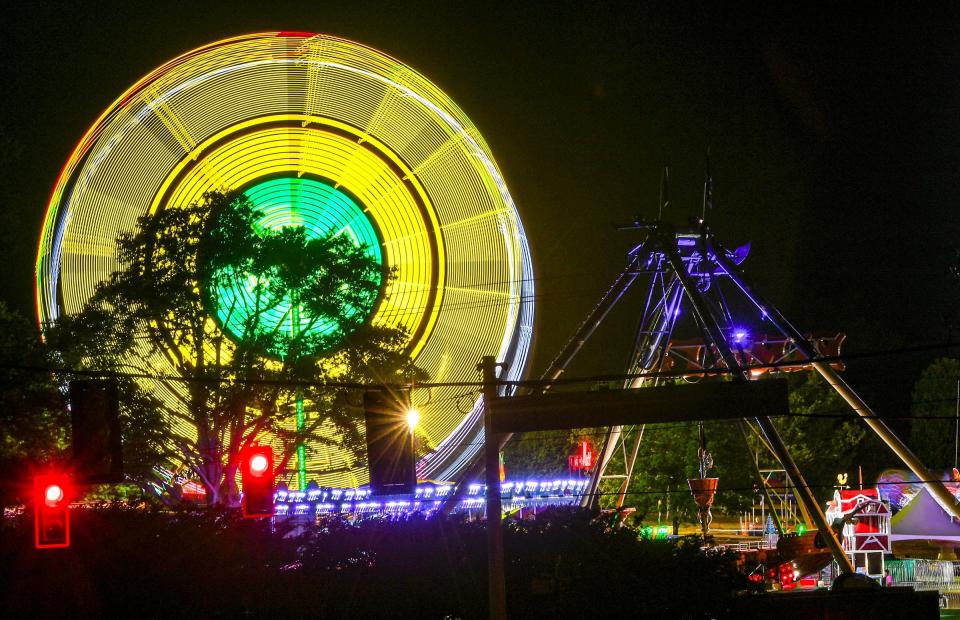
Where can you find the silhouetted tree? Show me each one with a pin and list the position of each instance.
(202, 286)
(935, 396)
(34, 420)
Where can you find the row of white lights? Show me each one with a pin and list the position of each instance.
(426, 497)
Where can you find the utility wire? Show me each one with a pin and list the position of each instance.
(832, 485)
(478, 384)
(833, 414)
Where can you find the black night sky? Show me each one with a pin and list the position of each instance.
(835, 142)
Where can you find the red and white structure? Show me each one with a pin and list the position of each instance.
(866, 527)
(583, 459)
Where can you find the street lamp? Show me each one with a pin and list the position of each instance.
(413, 418)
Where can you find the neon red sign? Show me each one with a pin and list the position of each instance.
(583, 459)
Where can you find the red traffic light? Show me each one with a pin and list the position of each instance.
(53, 495)
(51, 511)
(258, 464)
(256, 477)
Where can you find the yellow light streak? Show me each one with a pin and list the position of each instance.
(248, 107)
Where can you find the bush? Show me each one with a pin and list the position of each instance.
(151, 563)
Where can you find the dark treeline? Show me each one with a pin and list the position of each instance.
(147, 563)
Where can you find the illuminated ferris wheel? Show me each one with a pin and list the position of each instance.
(334, 136)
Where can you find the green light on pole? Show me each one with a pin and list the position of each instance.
(301, 419)
(322, 210)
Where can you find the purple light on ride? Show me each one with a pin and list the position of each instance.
(740, 335)
(426, 500)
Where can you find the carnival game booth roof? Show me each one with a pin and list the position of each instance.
(917, 513)
(847, 499)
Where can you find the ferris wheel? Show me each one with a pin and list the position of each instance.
(331, 135)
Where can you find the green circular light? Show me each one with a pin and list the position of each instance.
(322, 210)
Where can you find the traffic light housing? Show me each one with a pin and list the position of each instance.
(389, 443)
(95, 422)
(51, 511)
(257, 478)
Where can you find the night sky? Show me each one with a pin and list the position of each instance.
(835, 143)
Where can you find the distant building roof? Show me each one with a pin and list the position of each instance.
(845, 500)
(854, 493)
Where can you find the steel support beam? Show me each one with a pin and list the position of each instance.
(759, 477)
(649, 349)
(596, 316)
(616, 291)
(703, 315)
(878, 426)
(631, 462)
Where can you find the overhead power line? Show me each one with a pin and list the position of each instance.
(684, 491)
(478, 384)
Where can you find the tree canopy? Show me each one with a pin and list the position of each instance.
(935, 397)
(255, 321)
(34, 421)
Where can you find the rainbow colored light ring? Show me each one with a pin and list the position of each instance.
(294, 145)
(238, 112)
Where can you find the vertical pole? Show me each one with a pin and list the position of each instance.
(763, 515)
(301, 419)
(301, 449)
(491, 444)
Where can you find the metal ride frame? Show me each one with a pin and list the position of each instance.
(721, 337)
(688, 264)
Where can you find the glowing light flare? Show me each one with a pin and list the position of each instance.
(53, 495)
(413, 418)
(259, 465)
(51, 514)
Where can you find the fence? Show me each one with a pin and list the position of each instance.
(941, 575)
